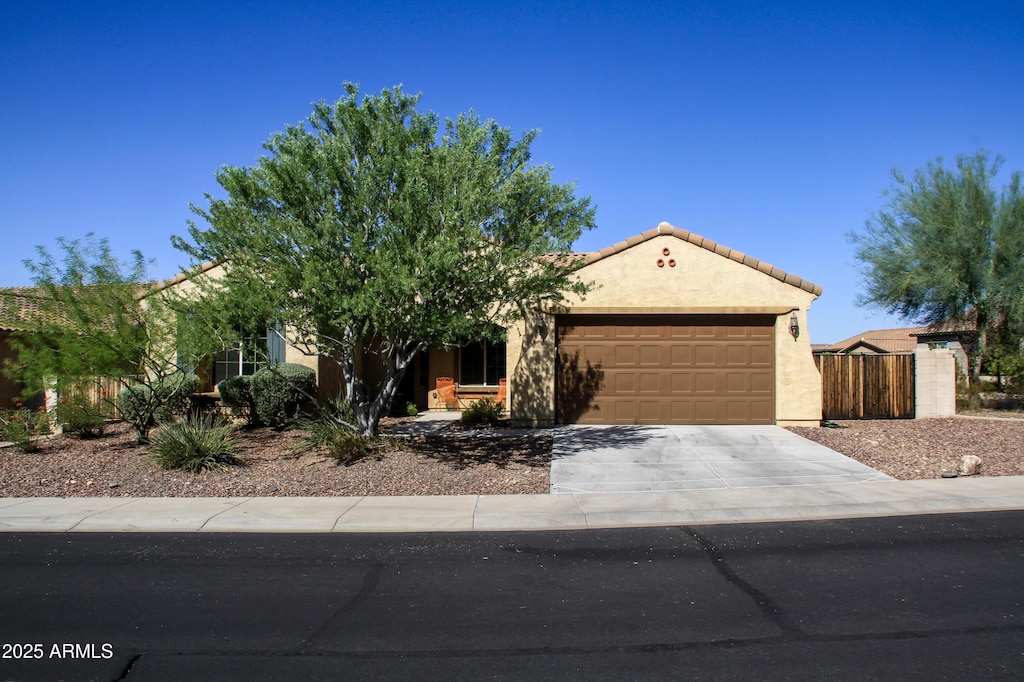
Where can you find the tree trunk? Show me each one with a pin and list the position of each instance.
(369, 406)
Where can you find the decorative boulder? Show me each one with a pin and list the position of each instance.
(970, 465)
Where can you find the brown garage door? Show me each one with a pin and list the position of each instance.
(666, 369)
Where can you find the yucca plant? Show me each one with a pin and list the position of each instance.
(197, 443)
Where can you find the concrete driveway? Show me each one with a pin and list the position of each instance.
(603, 459)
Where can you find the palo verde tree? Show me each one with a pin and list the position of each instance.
(372, 229)
(949, 248)
(91, 322)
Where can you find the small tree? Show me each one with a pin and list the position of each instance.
(368, 229)
(949, 248)
(90, 323)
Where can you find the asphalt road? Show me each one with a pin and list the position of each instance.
(909, 598)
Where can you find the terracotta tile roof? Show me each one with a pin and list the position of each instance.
(899, 340)
(967, 325)
(17, 306)
(724, 251)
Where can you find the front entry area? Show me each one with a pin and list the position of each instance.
(665, 369)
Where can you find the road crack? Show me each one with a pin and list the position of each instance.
(370, 582)
(765, 603)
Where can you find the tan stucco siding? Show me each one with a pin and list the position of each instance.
(689, 280)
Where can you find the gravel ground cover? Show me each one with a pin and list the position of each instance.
(910, 449)
(460, 462)
(464, 463)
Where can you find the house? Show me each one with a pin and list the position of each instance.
(676, 329)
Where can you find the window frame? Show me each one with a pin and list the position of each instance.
(493, 361)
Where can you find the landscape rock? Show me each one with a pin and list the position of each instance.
(970, 465)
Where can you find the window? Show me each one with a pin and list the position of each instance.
(482, 364)
(937, 345)
(248, 356)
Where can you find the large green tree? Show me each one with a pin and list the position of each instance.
(371, 228)
(949, 248)
(94, 320)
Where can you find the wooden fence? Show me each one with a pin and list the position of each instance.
(100, 393)
(867, 386)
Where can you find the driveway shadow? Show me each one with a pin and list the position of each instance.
(570, 440)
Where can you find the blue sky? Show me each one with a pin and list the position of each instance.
(771, 128)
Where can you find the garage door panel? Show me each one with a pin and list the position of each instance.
(667, 369)
(680, 355)
(737, 354)
(762, 383)
(625, 411)
(737, 382)
(704, 355)
(762, 355)
(650, 382)
(705, 382)
(650, 355)
(680, 382)
(624, 383)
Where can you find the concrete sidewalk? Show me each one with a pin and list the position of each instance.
(509, 512)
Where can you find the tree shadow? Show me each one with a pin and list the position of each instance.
(573, 439)
(465, 450)
(575, 387)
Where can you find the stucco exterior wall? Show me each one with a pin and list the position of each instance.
(690, 280)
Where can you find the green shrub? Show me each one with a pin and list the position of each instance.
(144, 406)
(236, 395)
(411, 410)
(483, 412)
(23, 426)
(333, 430)
(78, 416)
(282, 392)
(197, 443)
(173, 393)
(338, 440)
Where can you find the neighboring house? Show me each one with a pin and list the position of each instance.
(876, 341)
(957, 338)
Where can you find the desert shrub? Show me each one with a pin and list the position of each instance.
(236, 395)
(333, 430)
(144, 406)
(282, 392)
(77, 415)
(196, 443)
(483, 412)
(172, 394)
(338, 440)
(22, 426)
(411, 410)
